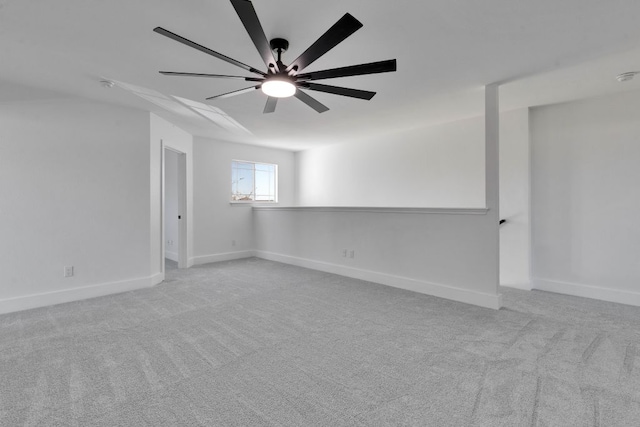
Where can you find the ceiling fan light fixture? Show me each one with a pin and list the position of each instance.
(278, 87)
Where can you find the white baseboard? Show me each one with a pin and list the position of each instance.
(443, 291)
(227, 256)
(173, 256)
(588, 291)
(157, 278)
(522, 286)
(44, 299)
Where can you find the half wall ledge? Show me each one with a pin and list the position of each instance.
(440, 211)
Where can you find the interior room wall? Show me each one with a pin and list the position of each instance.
(74, 191)
(397, 210)
(225, 230)
(436, 166)
(171, 211)
(585, 198)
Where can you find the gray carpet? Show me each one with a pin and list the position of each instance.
(257, 343)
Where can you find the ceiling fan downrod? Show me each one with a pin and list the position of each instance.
(279, 46)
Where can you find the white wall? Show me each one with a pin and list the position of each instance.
(74, 191)
(447, 250)
(585, 198)
(437, 166)
(171, 210)
(437, 252)
(220, 223)
(515, 234)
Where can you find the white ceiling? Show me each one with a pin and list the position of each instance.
(545, 51)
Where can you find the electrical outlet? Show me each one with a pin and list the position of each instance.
(352, 254)
(233, 243)
(344, 253)
(68, 271)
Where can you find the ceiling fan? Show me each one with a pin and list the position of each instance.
(280, 80)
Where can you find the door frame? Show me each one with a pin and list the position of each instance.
(182, 206)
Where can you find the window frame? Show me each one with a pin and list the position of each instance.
(250, 202)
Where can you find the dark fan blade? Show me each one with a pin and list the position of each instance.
(206, 50)
(353, 70)
(270, 106)
(342, 29)
(311, 102)
(249, 18)
(177, 73)
(235, 92)
(353, 93)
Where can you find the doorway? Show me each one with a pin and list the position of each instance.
(174, 215)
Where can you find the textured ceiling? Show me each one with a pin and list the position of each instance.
(447, 50)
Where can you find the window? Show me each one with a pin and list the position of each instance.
(253, 182)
